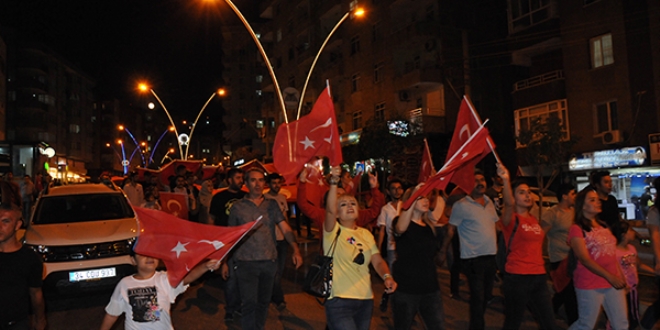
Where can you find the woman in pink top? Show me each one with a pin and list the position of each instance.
(525, 282)
(597, 277)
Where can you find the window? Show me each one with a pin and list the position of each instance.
(607, 118)
(523, 118)
(601, 51)
(357, 120)
(73, 128)
(525, 13)
(354, 82)
(260, 78)
(378, 72)
(258, 92)
(259, 123)
(355, 45)
(379, 114)
(279, 35)
(375, 31)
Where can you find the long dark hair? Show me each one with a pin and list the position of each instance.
(580, 219)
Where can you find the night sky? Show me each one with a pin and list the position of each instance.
(174, 44)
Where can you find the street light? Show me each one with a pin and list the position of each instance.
(137, 145)
(144, 88)
(355, 12)
(254, 36)
(220, 92)
(124, 162)
(151, 157)
(184, 156)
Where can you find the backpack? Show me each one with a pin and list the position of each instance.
(503, 248)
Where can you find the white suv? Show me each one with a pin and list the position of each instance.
(84, 234)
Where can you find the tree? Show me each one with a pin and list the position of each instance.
(546, 147)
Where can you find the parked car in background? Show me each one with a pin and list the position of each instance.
(84, 234)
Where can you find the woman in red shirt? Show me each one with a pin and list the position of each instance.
(525, 281)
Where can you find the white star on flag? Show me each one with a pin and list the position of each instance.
(180, 248)
(308, 143)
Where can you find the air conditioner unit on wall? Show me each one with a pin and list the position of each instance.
(611, 137)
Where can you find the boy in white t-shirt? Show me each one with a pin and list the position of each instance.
(146, 296)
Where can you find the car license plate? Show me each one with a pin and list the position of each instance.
(92, 274)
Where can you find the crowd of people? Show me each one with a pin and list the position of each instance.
(490, 234)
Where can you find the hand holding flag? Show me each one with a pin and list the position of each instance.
(315, 134)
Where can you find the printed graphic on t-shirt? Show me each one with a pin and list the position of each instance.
(533, 228)
(229, 204)
(144, 303)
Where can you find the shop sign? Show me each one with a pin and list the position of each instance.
(654, 144)
(633, 156)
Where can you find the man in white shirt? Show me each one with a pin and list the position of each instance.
(387, 214)
(133, 190)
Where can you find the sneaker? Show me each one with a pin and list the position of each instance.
(229, 317)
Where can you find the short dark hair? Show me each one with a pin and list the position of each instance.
(518, 182)
(619, 229)
(233, 171)
(564, 189)
(478, 171)
(395, 180)
(10, 207)
(597, 176)
(273, 176)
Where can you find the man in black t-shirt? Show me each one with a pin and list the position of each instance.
(20, 276)
(602, 183)
(222, 201)
(219, 212)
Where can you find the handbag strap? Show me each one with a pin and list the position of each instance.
(334, 242)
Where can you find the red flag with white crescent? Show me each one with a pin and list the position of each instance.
(181, 245)
(426, 170)
(174, 204)
(315, 134)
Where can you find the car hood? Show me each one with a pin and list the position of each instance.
(81, 233)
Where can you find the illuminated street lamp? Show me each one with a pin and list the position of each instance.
(170, 151)
(124, 162)
(151, 157)
(353, 12)
(183, 138)
(137, 145)
(221, 92)
(143, 87)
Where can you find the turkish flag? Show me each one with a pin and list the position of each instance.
(174, 204)
(316, 184)
(170, 168)
(312, 135)
(181, 245)
(426, 170)
(467, 123)
(468, 154)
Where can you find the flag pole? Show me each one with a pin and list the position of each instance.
(428, 151)
(478, 119)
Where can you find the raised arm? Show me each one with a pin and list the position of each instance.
(312, 211)
(331, 202)
(507, 194)
(368, 215)
(200, 269)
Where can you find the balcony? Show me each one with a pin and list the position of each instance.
(539, 89)
(430, 77)
(538, 80)
(428, 120)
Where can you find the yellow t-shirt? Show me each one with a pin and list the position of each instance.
(350, 280)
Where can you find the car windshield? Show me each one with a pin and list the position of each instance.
(80, 208)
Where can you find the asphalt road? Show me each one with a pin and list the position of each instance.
(202, 306)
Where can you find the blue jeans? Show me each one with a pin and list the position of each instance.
(278, 293)
(232, 295)
(429, 306)
(521, 291)
(348, 314)
(480, 272)
(589, 303)
(255, 283)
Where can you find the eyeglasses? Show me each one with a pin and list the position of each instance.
(359, 258)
